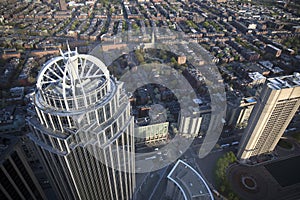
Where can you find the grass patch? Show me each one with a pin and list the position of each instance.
(285, 144)
(296, 136)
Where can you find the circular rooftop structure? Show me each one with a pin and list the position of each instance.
(71, 82)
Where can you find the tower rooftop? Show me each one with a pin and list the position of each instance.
(283, 82)
(72, 81)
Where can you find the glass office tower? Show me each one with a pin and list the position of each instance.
(83, 129)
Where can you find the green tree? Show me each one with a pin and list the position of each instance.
(139, 56)
(220, 174)
(112, 9)
(31, 79)
(173, 60)
(206, 24)
(135, 26)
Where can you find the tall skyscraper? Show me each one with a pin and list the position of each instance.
(83, 129)
(275, 108)
(17, 180)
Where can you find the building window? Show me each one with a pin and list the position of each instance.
(100, 115)
(92, 116)
(107, 111)
(108, 133)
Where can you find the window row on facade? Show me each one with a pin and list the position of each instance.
(51, 141)
(16, 180)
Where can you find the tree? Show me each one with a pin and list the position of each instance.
(135, 26)
(173, 60)
(206, 24)
(230, 195)
(236, 57)
(191, 24)
(222, 188)
(139, 56)
(220, 174)
(112, 9)
(31, 79)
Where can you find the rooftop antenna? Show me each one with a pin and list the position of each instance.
(69, 51)
(61, 53)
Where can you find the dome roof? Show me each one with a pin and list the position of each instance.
(68, 81)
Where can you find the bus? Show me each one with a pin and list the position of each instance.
(225, 145)
(234, 143)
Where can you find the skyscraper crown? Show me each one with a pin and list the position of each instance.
(72, 81)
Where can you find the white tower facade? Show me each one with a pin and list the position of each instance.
(276, 106)
(83, 129)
